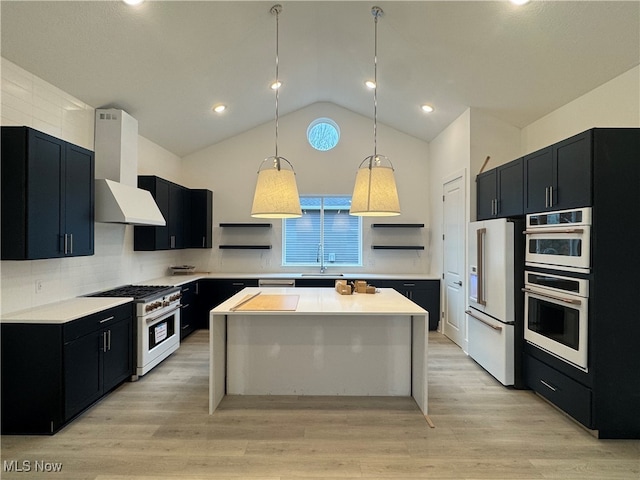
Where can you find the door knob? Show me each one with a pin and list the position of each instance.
(459, 283)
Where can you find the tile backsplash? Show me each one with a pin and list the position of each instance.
(29, 100)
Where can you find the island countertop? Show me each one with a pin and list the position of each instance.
(331, 344)
(323, 301)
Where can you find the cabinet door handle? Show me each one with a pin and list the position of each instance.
(546, 197)
(107, 319)
(203, 241)
(109, 341)
(553, 389)
(551, 196)
(104, 341)
(172, 242)
(65, 244)
(71, 243)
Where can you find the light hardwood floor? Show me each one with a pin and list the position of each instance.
(158, 428)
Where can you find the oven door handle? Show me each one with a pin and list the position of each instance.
(542, 231)
(495, 327)
(572, 301)
(165, 314)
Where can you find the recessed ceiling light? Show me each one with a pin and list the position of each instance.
(426, 108)
(519, 2)
(133, 2)
(276, 85)
(219, 108)
(370, 84)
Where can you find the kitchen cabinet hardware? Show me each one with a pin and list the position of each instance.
(244, 247)
(47, 196)
(553, 389)
(397, 247)
(397, 225)
(245, 225)
(107, 319)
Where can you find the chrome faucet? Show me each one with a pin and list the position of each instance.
(320, 258)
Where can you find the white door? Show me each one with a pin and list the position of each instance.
(454, 325)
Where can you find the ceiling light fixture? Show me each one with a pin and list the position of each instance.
(375, 193)
(426, 108)
(276, 85)
(276, 194)
(519, 2)
(219, 108)
(133, 3)
(370, 84)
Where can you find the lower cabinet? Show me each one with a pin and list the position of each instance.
(189, 312)
(212, 292)
(52, 372)
(561, 390)
(425, 293)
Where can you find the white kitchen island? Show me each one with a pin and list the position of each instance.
(327, 344)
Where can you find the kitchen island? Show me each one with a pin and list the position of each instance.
(323, 343)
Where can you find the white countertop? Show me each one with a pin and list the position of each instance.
(181, 279)
(65, 311)
(322, 301)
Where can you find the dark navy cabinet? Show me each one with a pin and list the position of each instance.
(559, 177)
(500, 191)
(47, 196)
(52, 372)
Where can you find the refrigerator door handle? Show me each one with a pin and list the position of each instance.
(480, 234)
(495, 327)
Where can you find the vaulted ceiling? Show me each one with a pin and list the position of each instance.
(168, 62)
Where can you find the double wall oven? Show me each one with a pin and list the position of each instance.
(556, 290)
(157, 322)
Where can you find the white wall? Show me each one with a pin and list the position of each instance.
(29, 100)
(229, 169)
(614, 104)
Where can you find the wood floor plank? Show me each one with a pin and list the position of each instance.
(159, 428)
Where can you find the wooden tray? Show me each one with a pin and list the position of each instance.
(267, 303)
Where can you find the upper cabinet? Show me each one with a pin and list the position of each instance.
(500, 191)
(559, 177)
(188, 214)
(201, 218)
(47, 196)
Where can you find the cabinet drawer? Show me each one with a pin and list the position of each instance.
(562, 391)
(91, 323)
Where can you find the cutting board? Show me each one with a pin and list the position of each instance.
(267, 303)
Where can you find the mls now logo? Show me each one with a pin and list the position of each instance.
(29, 466)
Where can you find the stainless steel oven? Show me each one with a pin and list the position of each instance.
(559, 240)
(556, 316)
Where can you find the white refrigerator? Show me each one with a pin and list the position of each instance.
(494, 318)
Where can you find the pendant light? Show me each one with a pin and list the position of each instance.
(276, 194)
(375, 193)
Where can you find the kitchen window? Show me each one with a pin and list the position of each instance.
(325, 236)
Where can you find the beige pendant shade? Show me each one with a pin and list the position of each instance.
(375, 193)
(276, 194)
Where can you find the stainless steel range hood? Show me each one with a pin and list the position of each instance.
(118, 200)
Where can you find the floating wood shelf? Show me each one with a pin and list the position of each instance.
(261, 225)
(245, 247)
(397, 225)
(397, 247)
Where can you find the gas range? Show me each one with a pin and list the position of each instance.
(157, 323)
(149, 298)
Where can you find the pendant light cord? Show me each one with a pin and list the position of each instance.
(376, 11)
(276, 9)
